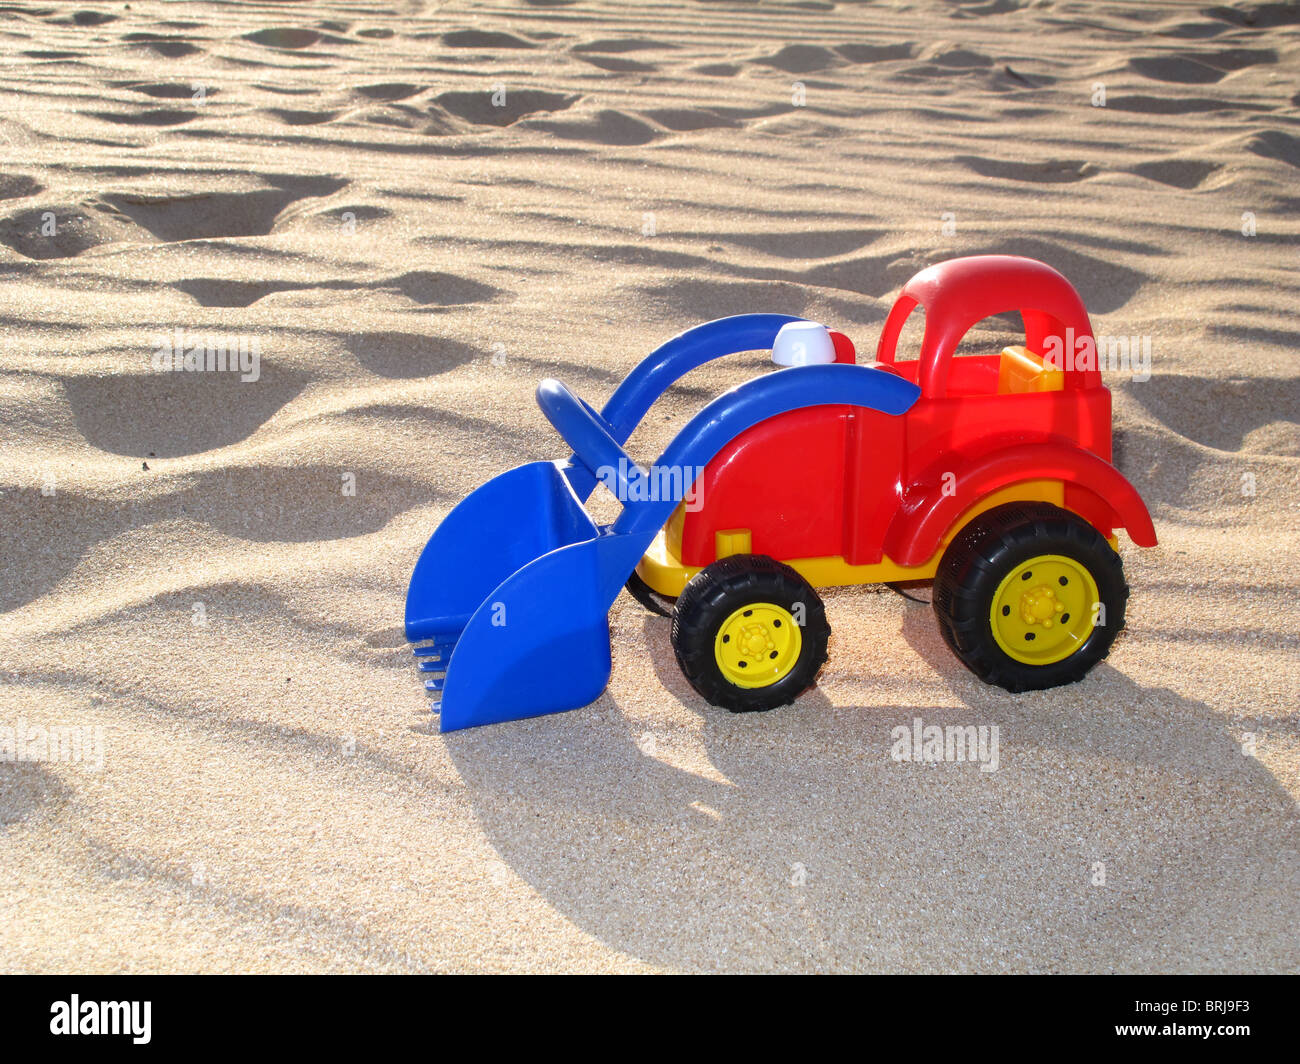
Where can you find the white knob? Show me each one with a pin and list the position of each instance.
(803, 343)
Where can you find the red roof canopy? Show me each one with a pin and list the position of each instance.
(961, 292)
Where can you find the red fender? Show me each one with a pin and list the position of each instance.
(927, 513)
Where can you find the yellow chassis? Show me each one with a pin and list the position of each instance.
(663, 570)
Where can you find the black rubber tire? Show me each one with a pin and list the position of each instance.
(718, 591)
(648, 596)
(979, 559)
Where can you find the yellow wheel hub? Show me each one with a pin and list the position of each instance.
(757, 645)
(1042, 612)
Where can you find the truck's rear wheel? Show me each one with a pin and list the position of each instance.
(749, 633)
(1030, 596)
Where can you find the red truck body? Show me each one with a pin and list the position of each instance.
(847, 495)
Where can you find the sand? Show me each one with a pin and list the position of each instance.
(185, 568)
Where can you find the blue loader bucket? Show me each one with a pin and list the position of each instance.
(508, 603)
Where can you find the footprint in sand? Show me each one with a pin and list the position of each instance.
(407, 356)
(1251, 414)
(484, 39)
(1176, 69)
(421, 287)
(960, 58)
(612, 128)
(291, 117)
(285, 90)
(706, 300)
(215, 292)
(18, 186)
(388, 91)
(945, 61)
(29, 791)
(618, 64)
(980, 8)
(876, 53)
(52, 231)
(1258, 16)
(801, 59)
(1192, 31)
(60, 230)
(84, 17)
(167, 90)
(286, 37)
(165, 46)
(220, 214)
(1183, 105)
(804, 243)
(863, 275)
(1240, 58)
(25, 534)
(155, 116)
(428, 288)
(621, 45)
(1274, 144)
(1178, 173)
(351, 213)
(397, 116)
(261, 503)
(479, 108)
(296, 504)
(688, 119)
(717, 70)
(173, 414)
(1048, 171)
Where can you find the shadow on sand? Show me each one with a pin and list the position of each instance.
(904, 866)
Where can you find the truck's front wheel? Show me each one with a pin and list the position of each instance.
(749, 633)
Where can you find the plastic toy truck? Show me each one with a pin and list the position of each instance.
(988, 474)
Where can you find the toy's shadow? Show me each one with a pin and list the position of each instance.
(810, 847)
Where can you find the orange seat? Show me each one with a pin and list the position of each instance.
(1021, 370)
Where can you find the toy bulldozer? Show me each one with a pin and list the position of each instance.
(988, 474)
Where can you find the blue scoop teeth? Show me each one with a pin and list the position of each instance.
(435, 657)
